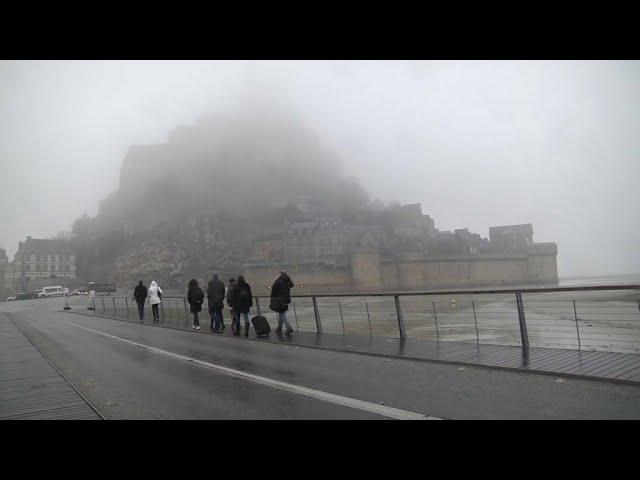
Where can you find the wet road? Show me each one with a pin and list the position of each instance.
(131, 371)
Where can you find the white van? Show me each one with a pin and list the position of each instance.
(55, 291)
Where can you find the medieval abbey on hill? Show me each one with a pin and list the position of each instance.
(392, 249)
(396, 248)
(253, 192)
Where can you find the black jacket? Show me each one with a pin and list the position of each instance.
(232, 295)
(281, 293)
(140, 293)
(215, 294)
(195, 297)
(244, 297)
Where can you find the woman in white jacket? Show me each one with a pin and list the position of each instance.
(155, 297)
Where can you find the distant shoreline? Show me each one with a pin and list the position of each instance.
(600, 280)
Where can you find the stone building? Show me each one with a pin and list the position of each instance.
(319, 241)
(4, 261)
(38, 260)
(401, 249)
(511, 238)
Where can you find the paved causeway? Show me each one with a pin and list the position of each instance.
(129, 370)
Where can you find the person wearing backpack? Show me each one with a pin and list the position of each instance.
(280, 300)
(215, 298)
(155, 298)
(140, 295)
(232, 295)
(244, 303)
(195, 297)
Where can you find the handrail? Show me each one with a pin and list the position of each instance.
(613, 332)
(585, 288)
(467, 292)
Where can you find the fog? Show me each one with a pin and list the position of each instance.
(477, 143)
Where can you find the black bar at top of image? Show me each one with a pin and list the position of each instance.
(419, 38)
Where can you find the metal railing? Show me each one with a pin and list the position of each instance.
(605, 318)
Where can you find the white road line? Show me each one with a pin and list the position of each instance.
(383, 410)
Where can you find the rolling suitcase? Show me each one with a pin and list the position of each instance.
(260, 325)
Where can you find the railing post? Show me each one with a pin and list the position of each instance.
(523, 324)
(475, 320)
(341, 317)
(258, 310)
(295, 315)
(366, 304)
(126, 304)
(435, 319)
(316, 313)
(575, 314)
(161, 312)
(403, 334)
(115, 314)
(103, 309)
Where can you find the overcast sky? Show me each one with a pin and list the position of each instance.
(555, 144)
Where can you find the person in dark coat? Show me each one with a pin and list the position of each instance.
(244, 302)
(195, 297)
(140, 295)
(215, 298)
(280, 300)
(232, 294)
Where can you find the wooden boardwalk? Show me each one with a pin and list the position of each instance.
(30, 388)
(621, 367)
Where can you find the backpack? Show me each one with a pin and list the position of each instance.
(244, 298)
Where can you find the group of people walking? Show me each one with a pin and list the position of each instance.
(154, 293)
(239, 300)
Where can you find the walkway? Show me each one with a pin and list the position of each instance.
(30, 387)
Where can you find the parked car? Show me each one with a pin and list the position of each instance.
(11, 298)
(39, 293)
(23, 296)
